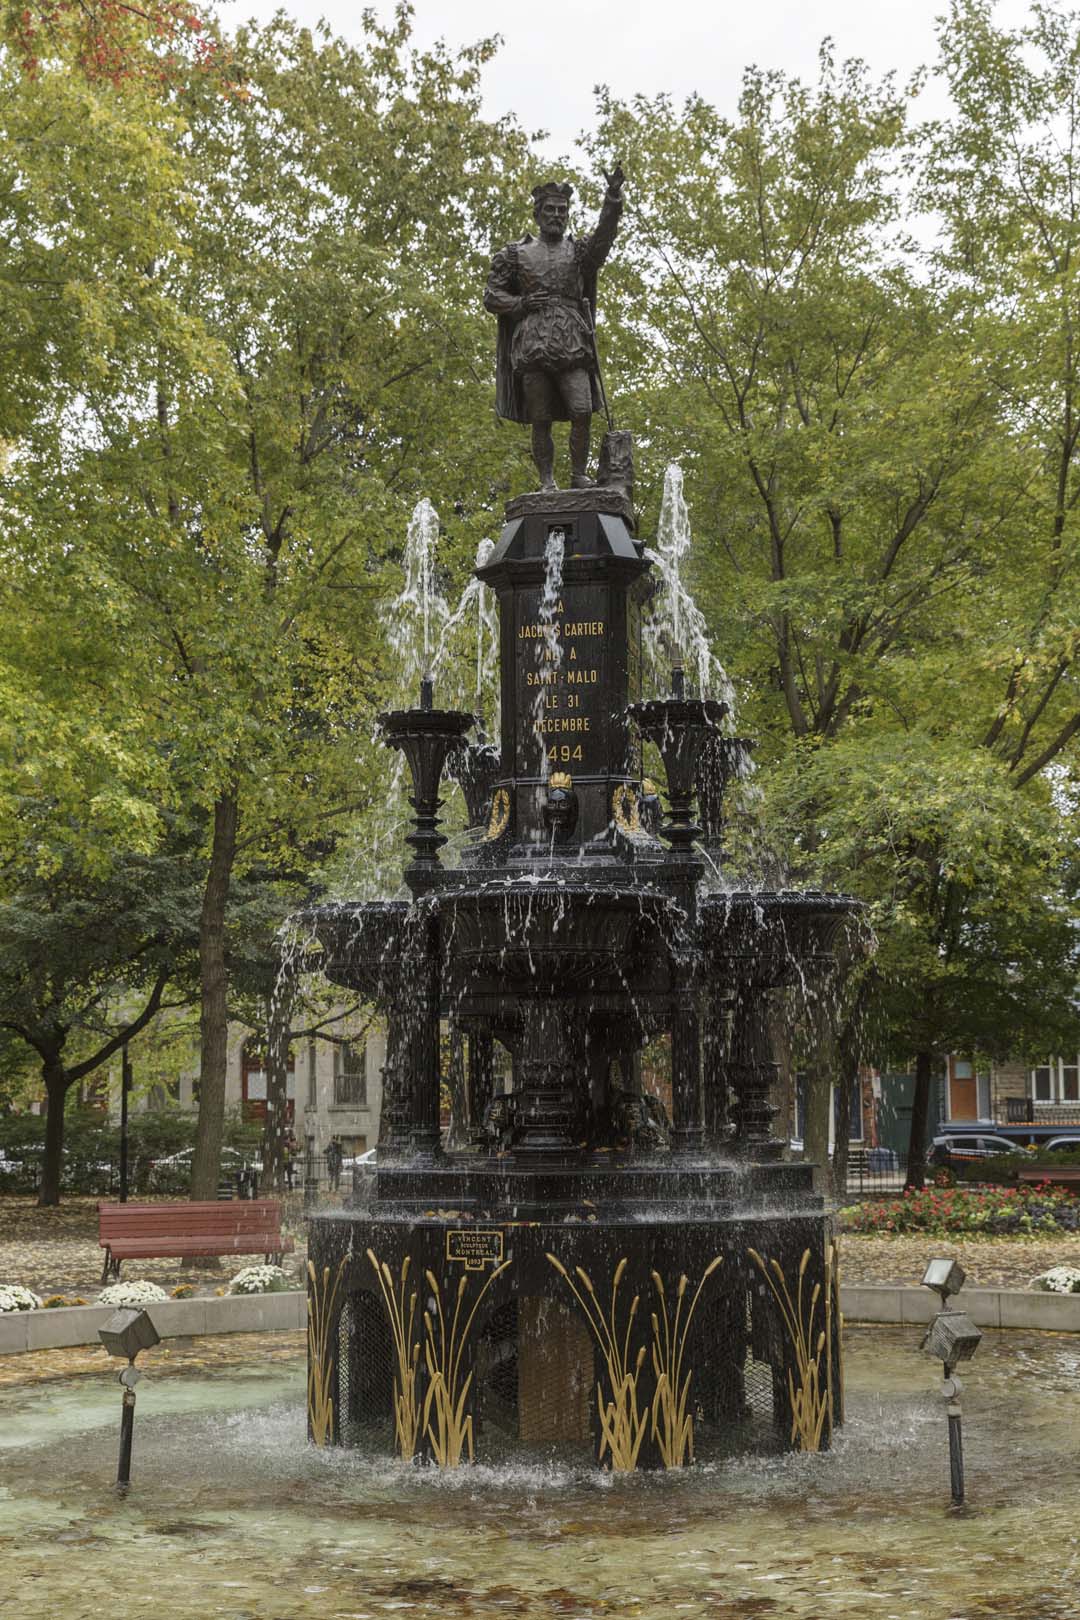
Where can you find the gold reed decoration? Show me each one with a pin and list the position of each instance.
(453, 1431)
(809, 1401)
(622, 1425)
(672, 1425)
(835, 1328)
(407, 1351)
(322, 1297)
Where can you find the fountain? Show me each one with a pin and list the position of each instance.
(595, 1270)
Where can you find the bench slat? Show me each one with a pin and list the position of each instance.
(202, 1227)
(132, 1249)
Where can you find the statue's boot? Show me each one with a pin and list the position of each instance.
(543, 453)
(579, 453)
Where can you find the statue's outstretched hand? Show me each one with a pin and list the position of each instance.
(615, 179)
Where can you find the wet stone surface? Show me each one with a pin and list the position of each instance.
(231, 1515)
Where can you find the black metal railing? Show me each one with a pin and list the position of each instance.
(1026, 1111)
(875, 1172)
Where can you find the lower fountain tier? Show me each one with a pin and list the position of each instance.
(527, 1315)
(501, 1189)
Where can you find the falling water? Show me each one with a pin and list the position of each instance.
(476, 599)
(549, 646)
(676, 632)
(417, 616)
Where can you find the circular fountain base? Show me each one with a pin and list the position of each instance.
(630, 1316)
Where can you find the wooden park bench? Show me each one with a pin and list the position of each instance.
(159, 1231)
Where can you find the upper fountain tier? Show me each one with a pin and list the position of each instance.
(571, 583)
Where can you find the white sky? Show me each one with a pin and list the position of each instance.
(554, 51)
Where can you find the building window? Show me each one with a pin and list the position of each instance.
(350, 1075)
(855, 1118)
(1057, 1080)
(312, 1080)
(253, 1084)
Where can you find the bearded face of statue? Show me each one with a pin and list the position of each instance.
(552, 217)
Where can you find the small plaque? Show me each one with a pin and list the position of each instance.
(475, 1249)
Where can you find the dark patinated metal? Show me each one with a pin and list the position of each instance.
(602, 1018)
(543, 290)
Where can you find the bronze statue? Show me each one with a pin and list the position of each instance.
(543, 289)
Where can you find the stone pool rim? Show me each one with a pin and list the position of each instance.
(68, 1326)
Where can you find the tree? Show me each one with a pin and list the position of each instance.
(308, 357)
(85, 965)
(857, 482)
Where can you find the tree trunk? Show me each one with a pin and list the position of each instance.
(920, 1114)
(56, 1090)
(847, 1074)
(214, 987)
(278, 1026)
(850, 1045)
(818, 1106)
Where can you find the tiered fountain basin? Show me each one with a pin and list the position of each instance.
(558, 1279)
(764, 938)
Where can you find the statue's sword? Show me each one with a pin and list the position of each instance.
(586, 310)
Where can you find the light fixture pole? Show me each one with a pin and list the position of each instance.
(126, 1333)
(952, 1337)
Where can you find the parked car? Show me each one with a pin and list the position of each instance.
(362, 1161)
(173, 1174)
(1062, 1144)
(953, 1152)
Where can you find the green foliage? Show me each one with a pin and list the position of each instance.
(876, 545)
(92, 1146)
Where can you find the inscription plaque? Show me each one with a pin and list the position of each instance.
(563, 679)
(475, 1248)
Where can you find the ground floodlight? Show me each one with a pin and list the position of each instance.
(951, 1337)
(127, 1332)
(945, 1277)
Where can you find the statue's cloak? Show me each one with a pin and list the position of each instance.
(509, 402)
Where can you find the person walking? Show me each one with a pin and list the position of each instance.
(334, 1157)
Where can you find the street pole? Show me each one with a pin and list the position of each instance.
(125, 1089)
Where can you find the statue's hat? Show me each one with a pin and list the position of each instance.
(552, 188)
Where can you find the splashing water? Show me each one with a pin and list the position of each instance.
(676, 631)
(419, 613)
(476, 597)
(550, 646)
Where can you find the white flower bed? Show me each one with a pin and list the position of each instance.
(15, 1298)
(131, 1293)
(1059, 1280)
(259, 1280)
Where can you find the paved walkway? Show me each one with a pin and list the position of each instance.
(173, 1357)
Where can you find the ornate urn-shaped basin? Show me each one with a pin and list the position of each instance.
(365, 943)
(530, 936)
(766, 939)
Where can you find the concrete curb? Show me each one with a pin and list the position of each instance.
(278, 1313)
(78, 1324)
(987, 1307)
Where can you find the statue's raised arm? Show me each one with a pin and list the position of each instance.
(543, 290)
